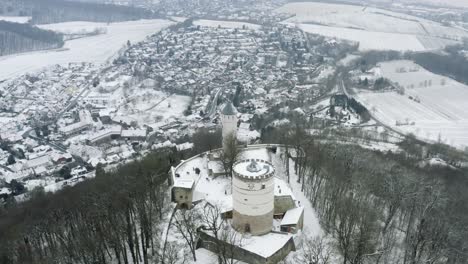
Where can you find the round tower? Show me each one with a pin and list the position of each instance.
(253, 196)
(229, 122)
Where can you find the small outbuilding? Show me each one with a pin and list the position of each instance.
(182, 192)
(293, 220)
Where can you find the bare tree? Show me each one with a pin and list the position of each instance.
(355, 230)
(173, 255)
(186, 223)
(226, 237)
(204, 140)
(426, 232)
(313, 251)
(230, 154)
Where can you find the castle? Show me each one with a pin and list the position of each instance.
(257, 203)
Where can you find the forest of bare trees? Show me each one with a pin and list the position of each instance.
(54, 11)
(383, 207)
(114, 218)
(16, 38)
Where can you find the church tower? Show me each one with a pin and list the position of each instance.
(229, 122)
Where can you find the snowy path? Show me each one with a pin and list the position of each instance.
(311, 222)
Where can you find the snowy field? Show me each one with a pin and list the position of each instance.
(225, 24)
(74, 27)
(368, 40)
(15, 19)
(453, 3)
(95, 49)
(153, 108)
(442, 110)
(374, 28)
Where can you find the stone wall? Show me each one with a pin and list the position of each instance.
(282, 253)
(300, 225)
(210, 243)
(283, 204)
(182, 196)
(258, 225)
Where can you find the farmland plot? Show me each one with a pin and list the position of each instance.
(373, 28)
(368, 40)
(433, 107)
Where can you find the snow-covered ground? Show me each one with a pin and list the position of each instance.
(153, 108)
(225, 24)
(15, 19)
(433, 107)
(96, 49)
(74, 27)
(368, 40)
(374, 28)
(207, 257)
(453, 3)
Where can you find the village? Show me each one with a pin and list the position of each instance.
(155, 94)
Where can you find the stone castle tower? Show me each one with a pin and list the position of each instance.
(229, 122)
(253, 196)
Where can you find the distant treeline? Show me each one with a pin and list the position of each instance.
(16, 38)
(55, 11)
(449, 63)
(452, 64)
(14, 8)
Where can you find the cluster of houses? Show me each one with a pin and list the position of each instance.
(240, 10)
(158, 93)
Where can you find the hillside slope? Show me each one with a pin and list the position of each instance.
(17, 38)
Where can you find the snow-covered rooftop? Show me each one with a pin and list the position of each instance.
(253, 168)
(292, 216)
(134, 133)
(4, 191)
(184, 183)
(266, 245)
